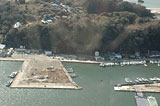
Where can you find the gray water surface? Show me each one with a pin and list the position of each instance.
(97, 83)
(148, 3)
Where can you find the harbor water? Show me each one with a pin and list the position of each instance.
(97, 83)
(148, 3)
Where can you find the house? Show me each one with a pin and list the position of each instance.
(118, 56)
(2, 51)
(17, 25)
(153, 54)
(21, 50)
(2, 46)
(9, 52)
(96, 53)
(21, 1)
(48, 53)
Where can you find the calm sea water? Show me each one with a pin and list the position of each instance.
(148, 3)
(95, 92)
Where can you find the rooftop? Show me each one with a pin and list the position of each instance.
(2, 46)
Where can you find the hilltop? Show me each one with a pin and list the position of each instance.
(79, 27)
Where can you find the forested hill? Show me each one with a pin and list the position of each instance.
(79, 26)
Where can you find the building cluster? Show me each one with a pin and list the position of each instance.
(59, 7)
(23, 50)
(5, 52)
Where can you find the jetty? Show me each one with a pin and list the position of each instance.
(143, 87)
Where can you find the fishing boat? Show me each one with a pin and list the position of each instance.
(137, 81)
(9, 83)
(73, 75)
(152, 101)
(128, 80)
(13, 74)
(140, 1)
(154, 79)
(70, 70)
(145, 65)
(102, 65)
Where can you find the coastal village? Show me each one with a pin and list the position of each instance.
(44, 69)
(34, 73)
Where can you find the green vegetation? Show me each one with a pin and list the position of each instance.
(102, 25)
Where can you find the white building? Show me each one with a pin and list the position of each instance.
(48, 53)
(2, 51)
(17, 25)
(96, 53)
(2, 46)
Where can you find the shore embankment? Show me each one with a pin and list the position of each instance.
(12, 59)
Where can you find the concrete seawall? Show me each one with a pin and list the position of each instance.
(12, 59)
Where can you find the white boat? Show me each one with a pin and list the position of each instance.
(154, 79)
(139, 79)
(158, 64)
(13, 74)
(152, 101)
(102, 65)
(145, 80)
(136, 80)
(145, 65)
(73, 75)
(128, 80)
(70, 70)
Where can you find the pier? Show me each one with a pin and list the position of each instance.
(42, 72)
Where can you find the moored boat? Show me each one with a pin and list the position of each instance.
(128, 80)
(102, 65)
(73, 75)
(13, 74)
(9, 83)
(145, 65)
(152, 101)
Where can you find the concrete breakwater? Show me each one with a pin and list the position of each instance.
(42, 73)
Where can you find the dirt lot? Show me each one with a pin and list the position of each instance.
(48, 75)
